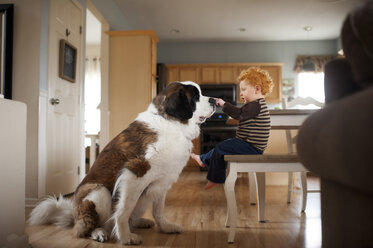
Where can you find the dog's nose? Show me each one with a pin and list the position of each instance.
(212, 101)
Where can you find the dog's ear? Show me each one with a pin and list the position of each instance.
(194, 96)
(178, 106)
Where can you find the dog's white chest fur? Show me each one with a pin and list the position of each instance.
(170, 153)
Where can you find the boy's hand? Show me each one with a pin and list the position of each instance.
(219, 102)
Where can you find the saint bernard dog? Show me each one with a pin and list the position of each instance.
(135, 169)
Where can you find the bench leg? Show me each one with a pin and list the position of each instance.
(261, 194)
(252, 188)
(303, 177)
(231, 219)
(290, 185)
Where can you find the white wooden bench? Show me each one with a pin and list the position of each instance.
(256, 166)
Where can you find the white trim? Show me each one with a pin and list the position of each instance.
(81, 164)
(42, 149)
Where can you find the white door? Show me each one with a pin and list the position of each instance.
(63, 123)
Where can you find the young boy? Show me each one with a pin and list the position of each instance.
(253, 127)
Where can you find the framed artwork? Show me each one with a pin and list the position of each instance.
(67, 64)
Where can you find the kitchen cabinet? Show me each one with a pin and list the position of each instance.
(209, 74)
(227, 74)
(189, 73)
(173, 74)
(223, 74)
(132, 76)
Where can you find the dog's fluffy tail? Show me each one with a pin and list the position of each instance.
(53, 210)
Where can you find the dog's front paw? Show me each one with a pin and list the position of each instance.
(99, 234)
(170, 228)
(131, 239)
(143, 223)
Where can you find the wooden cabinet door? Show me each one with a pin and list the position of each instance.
(132, 76)
(240, 69)
(228, 75)
(209, 75)
(275, 73)
(189, 74)
(172, 74)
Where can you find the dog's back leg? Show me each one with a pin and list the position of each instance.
(86, 219)
(93, 209)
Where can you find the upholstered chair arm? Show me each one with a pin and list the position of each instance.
(336, 142)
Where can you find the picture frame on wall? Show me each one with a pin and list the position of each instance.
(67, 63)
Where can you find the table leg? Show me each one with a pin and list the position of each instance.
(231, 220)
(303, 178)
(261, 194)
(252, 188)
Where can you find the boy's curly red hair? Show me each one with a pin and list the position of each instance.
(257, 76)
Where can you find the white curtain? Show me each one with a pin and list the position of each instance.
(92, 95)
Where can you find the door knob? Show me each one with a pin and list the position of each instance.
(54, 101)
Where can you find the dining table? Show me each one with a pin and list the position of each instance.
(283, 119)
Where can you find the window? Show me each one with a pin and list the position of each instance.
(311, 84)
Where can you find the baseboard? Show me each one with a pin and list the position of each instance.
(31, 202)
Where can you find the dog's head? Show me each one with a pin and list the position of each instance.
(183, 101)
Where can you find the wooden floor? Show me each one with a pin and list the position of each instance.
(202, 214)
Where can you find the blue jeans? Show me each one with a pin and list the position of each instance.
(214, 159)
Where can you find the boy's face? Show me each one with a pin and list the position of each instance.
(248, 92)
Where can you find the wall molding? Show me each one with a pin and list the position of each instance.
(42, 151)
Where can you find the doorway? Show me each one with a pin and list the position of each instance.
(92, 89)
(96, 119)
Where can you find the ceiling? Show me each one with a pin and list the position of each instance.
(237, 20)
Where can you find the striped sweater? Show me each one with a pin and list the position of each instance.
(254, 122)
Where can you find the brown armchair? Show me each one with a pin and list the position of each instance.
(336, 142)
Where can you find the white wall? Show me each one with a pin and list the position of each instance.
(12, 164)
(234, 52)
(111, 12)
(26, 66)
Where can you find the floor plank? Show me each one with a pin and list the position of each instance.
(202, 214)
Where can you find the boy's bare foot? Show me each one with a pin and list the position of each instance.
(197, 159)
(210, 185)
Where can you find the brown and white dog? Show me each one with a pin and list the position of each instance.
(136, 168)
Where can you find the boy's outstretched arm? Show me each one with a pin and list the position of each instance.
(219, 102)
